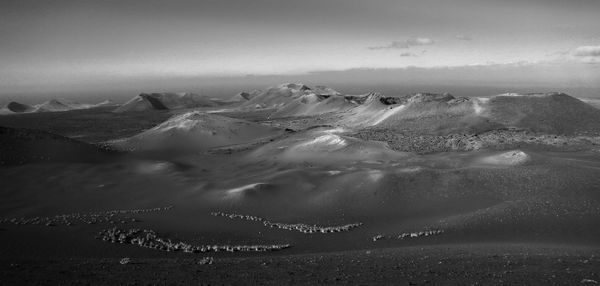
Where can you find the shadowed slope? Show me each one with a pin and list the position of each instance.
(22, 146)
(555, 113)
(161, 101)
(19, 107)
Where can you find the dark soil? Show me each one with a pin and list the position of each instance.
(432, 265)
(90, 125)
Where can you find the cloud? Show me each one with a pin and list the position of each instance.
(419, 42)
(587, 51)
(585, 54)
(408, 54)
(405, 44)
(463, 38)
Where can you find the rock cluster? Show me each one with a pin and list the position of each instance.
(305, 228)
(149, 239)
(237, 216)
(408, 235)
(110, 216)
(206, 260)
(420, 234)
(301, 227)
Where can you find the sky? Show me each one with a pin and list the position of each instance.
(74, 45)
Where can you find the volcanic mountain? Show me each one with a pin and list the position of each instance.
(16, 107)
(296, 99)
(52, 105)
(281, 95)
(244, 96)
(551, 113)
(164, 101)
(324, 145)
(555, 113)
(437, 122)
(313, 104)
(196, 131)
(419, 112)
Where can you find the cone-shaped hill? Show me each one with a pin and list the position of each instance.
(551, 113)
(196, 131)
(555, 113)
(19, 107)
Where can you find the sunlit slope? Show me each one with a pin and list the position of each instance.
(196, 131)
(552, 113)
(53, 105)
(324, 146)
(433, 113)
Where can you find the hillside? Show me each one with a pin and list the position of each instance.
(24, 146)
(163, 101)
(196, 131)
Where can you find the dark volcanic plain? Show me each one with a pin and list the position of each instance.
(304, 185)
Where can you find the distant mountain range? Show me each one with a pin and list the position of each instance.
(52, 105)
(165, 101)
(431, 113)
(421, 114)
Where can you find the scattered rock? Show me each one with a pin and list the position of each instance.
(206, 260)
(420, 234)
(149, 239)
(301, 227)
(86, 218)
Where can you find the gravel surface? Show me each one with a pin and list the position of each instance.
(482, 264)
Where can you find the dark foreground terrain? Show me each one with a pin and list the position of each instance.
(478, 264)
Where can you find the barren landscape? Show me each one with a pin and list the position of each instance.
(286, 142)
(265, 185)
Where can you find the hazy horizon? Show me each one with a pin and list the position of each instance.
(357, 81)
(97, 47)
